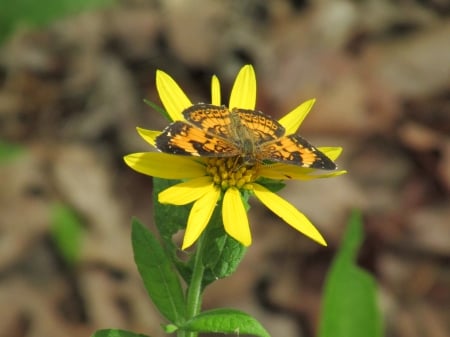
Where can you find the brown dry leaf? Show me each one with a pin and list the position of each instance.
(24, 212)
(35, 311)
(184, 27)
(430, 230)
(119, 302)
(417, 66)
(444, 165)
(86, 184)
(419, 137)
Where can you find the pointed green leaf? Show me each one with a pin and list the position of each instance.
(225, 321)
(116, 333)
(157, 108)
(159, 277)
(350, 306)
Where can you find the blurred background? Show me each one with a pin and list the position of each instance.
(73, 76)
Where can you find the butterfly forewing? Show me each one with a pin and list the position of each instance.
(185, 139)
(212, 119)
(262, 127)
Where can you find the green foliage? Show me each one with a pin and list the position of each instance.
(350, 302)
(169, 220)
(219, 257)
(163, 286)
(38, 13)
(9, 151)
(67, 231)
(271, 184)
(116, 333)
(226, 321)
(160, 278)
(221, 254)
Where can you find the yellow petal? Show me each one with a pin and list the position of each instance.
(313, 175)
(148, 135)
(200, 215)
(293, 119)
(284, 171)
(288, 213)
(243, 94)
(332, 152)
(187, 192)
(164, 165)
(172, 96)
(215, 91)
(235, 218)
(329, 175)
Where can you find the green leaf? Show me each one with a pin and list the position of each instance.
(169, 220)
(158, 109)
(226, 321)
(271, 184)
(222, 253)
(350, 306)
(116, 333)
(156, 270)
(67, 232)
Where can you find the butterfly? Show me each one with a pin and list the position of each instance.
(249, 135)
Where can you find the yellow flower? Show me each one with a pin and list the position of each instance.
(209, 181)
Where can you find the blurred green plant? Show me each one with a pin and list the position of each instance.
(10, 151)
(14, 14)
(117, 333)
(350, 307)
(67, 232)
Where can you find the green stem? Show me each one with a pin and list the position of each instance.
(194, 291)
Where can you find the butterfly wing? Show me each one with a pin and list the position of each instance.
(262, 127)
(295, 150)
(186, 139)
(214, 120)
(214, 131)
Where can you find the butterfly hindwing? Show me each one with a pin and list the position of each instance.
(295, 150)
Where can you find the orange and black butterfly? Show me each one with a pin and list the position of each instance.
(252, 136)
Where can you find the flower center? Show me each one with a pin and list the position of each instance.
(226, 173)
